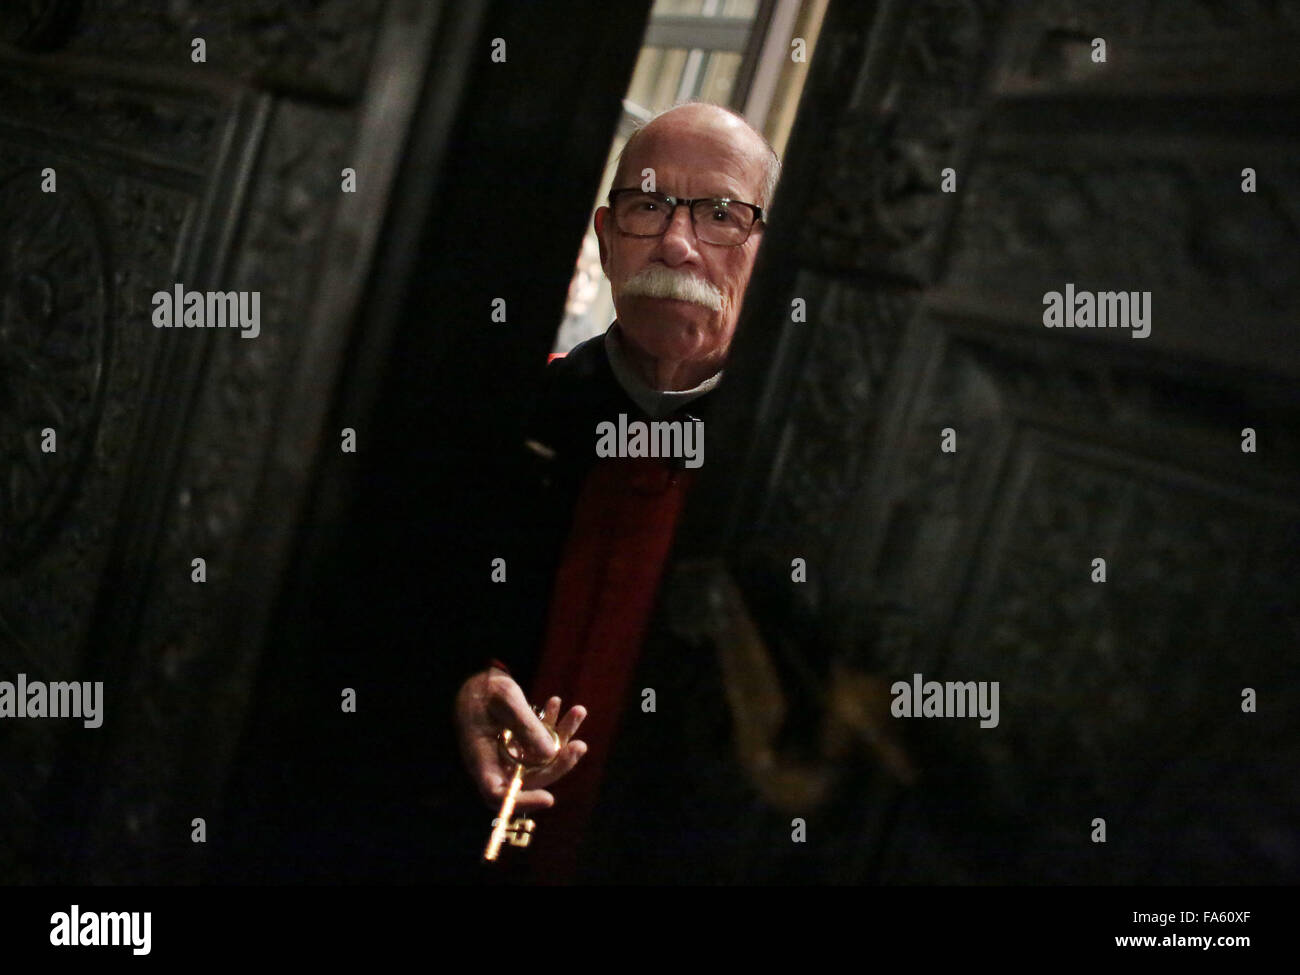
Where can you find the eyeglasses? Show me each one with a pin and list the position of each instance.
(717, 220)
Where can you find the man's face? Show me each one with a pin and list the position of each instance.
(694, 152)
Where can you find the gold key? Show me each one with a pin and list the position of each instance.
(519, 832)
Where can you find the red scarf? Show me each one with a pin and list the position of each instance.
(605, 591)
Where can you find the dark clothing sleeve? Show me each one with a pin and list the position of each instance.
(547, 465)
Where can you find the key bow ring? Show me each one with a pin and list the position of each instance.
(512, 752)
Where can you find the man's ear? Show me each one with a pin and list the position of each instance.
(600, 237)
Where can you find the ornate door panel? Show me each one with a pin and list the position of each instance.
(1120, 700)
(127, 167)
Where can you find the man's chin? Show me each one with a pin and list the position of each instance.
(666, 339)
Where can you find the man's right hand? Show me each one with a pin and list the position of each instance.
(490, 701)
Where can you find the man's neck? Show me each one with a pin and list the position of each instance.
(654, 402)
(669, 375)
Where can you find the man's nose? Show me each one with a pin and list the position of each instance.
(678, 242)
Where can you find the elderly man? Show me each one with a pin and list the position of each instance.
(678, 242)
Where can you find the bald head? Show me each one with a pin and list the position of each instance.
(734, 137)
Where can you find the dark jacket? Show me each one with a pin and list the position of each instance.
(555, 454)
(671, 796)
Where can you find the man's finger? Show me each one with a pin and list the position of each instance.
(561, 767)
(551, 711)
(569, 726)
(535, 799)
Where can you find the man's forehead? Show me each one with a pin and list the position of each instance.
(698, 148)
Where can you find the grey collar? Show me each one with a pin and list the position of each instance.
(655, 402)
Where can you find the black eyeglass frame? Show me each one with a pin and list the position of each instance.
(673, 202)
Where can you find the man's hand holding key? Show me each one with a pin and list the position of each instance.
(491, 701)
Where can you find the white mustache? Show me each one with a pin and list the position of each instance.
(658, 281)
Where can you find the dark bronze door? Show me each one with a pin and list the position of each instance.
(164, 490)
(950, 470)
